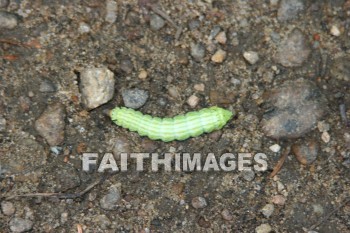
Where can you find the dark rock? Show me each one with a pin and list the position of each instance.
(293, 109)
(134, 98)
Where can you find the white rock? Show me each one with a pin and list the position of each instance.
(325, 137)
(84, 28)
(335, 31)
(263, 228)
(251, 57)
(111, 9)
(193, 101)
(275, 148)
(96, 86)
(267, 210)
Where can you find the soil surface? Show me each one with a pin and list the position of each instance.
(283, 68)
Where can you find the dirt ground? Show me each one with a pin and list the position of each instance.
(186, 55)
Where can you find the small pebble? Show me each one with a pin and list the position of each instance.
(297, 106)
(193, 101)
(96, 86)
(2, 124)
(221, 38)
(279, 200)
(323, 126)
(135, 98)
(199, 87)
(289, 9)
(219, 56)
(111, 9)
(143, 74)
(251, 57)
(30, 94)
(226, 215)
(280, 186)
(47, 86)
(156, 22)
(4, 3)
(267, 210)
(263, 228)
(102, 221)
(64, 217)
(318, 209)
(203, 223)
(275, 148)
(215, 31)
(173, 92)
(19, 225)
(84, 28)
(7, 208)
(50, 125)
(306, 151)
(199, 202)
(8, 20)
(335, 31)
(248, 175)
(126, 65)
(197, 51)
(293, 50)
(110, 200)
(325, 137)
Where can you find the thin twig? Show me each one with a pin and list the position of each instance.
(59, 195)
(280, 162)
(155, 9)
(323, 220)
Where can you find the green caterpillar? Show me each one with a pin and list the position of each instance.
(181, 127)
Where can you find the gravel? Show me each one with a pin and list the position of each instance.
(297, 107)
(289, 9)
(198, 51)
(267, 210)
(219, 56)
(8, 20)
(199, 202)
(7, 208)
(20, 225)
(96, 86)
(47, 86)
(111, 11)
(111, 199)
(50, 125)
(134, 98)
(251, 57)
(2, 124)
(306, 152)
(156, 22)
(263, 228)
(248, 175)
(293, 50)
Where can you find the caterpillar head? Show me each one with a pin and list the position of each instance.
(225, 115)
